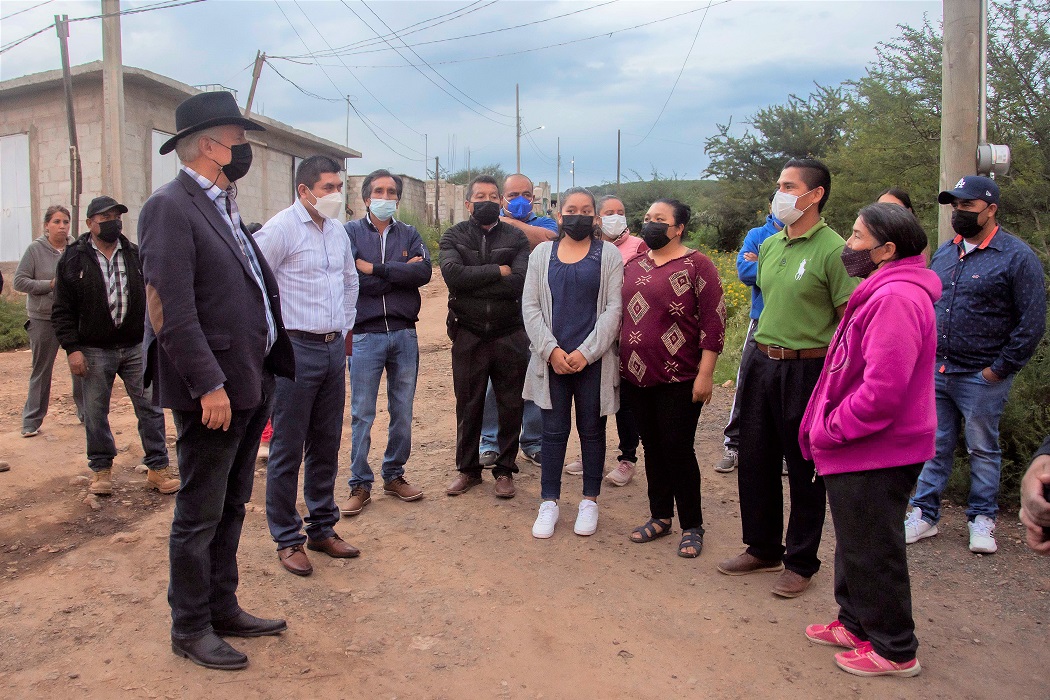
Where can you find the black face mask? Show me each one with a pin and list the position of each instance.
(858, 263)
(655, 235)
(577, 226)
(965, 223)
(241, 163)
(486, 213)
(108, 231)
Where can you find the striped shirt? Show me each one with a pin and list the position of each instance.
(225, 202)
(115, 277)
(315, 271)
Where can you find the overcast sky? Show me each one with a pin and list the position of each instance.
(747, 54)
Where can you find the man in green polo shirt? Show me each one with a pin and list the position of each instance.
(805, 288)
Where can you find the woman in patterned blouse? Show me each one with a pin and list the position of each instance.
(672, 333)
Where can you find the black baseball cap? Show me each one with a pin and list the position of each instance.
(104, 203)
(972, 187)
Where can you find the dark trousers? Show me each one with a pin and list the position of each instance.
(475, 361)
(667, 419)
(217, 468)
(872, 586)
(747, 354)
(582, 389)
(627, 433)
(776, 395)
(307, 429)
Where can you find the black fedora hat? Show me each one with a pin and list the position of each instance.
(204, 111)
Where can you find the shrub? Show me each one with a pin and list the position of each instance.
(12, 324)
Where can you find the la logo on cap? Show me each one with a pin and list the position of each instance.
(962, 183)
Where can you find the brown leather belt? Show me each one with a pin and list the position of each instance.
(775, 352)
(316, 337)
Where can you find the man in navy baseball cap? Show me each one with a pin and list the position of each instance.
(972, 187)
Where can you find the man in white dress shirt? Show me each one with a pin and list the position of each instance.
(311, 258)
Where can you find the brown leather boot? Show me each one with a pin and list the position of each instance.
(101, 483)
(162, 480)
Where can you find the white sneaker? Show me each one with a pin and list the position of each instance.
(729, 461)
(915, 528)
(546, 520)
(587, 518)
(981, 540)
(575, 467)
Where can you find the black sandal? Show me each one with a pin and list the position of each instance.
(691, 537)
(649, 531)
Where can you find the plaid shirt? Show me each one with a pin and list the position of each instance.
(115, 275)
(225, 202)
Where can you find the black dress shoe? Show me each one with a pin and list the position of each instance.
(247, 625)
(210, 651)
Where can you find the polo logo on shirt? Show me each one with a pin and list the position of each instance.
(801, 269)
(976, 277)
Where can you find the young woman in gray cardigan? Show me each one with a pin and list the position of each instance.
(571, 307)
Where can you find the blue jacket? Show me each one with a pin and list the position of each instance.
(747, 270)
(389, 297)
(993, 310)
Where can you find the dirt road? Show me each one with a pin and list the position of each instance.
(453, 598)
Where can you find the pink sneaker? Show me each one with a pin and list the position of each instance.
(622, 474)
(864, 661)
(834, 635)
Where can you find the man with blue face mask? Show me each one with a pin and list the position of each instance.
(393, 263)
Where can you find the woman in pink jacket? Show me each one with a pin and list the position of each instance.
(869, 427)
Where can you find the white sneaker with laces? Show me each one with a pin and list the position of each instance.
(543, 528)
(981, 540)
(915, 528)
(587, 518)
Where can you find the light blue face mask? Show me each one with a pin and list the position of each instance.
(382, 209)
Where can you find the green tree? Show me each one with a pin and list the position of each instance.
(464, 176)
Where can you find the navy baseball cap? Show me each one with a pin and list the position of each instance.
(972, 187)
(104, 203)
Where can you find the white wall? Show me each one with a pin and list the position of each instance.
(16, 219)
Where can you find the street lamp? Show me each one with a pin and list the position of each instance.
(572, 170)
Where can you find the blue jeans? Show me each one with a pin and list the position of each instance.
(217, 468)
(531, 426)
(307, 419)
(397, 352)
(103, 366)
(970, 397)
(583, 389)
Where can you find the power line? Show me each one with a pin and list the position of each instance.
(420, 70)
(46, 2)
(687, 55)
(13, 44)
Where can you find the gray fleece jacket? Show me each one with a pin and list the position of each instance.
(33, 277)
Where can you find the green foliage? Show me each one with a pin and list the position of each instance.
(638, 194)
(464, 176)
(430, 233)
(12, 324)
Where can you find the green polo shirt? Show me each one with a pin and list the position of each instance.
(802, 281)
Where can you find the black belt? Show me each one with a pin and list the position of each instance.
(775, 352)
(316, 337)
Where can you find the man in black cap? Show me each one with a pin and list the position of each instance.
(989, 322)
(98, 316)
(213, 345)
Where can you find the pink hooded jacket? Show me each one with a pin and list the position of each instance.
(873, 406)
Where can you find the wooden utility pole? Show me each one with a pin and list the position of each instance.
(517, 125)
(470, 175)
(260, 59)
(618, 193)
(75, 181)
(437, 192)
(113, 102)
(558, 177)
(960, 99)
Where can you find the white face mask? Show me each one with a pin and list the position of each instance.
(382, 209)
(330, 205)
(613, 225)
(783, 207)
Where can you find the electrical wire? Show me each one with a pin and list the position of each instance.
(421, 72)
(7, 47)
(46, 2)
(670, 94)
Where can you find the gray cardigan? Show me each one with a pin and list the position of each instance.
(602, 342)
(33, 277)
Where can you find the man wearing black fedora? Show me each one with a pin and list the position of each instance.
(214, 342)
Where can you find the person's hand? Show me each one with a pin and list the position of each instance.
(990, 376)
(559, 361)
(751, 257)
(1035, 509)
(504, 270)
(363, 266)
(415, 259)
(576, 360)
(702, 388)
(215, 410)
(52, 283)
(77, 364)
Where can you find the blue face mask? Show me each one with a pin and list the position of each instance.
(382, 209)
(519, 208)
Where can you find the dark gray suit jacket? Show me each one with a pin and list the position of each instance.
(206, 323)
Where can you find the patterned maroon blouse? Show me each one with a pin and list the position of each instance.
(670, 314)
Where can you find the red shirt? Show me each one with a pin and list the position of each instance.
(671, 313)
